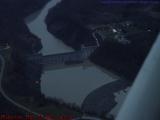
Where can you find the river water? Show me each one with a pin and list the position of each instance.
(70, 84)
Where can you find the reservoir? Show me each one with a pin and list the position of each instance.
(70, 84)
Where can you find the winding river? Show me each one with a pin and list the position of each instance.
(70, 84)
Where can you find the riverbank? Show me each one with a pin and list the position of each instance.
(70, 84)
(22, 81)
(15, 33)
(69, 22)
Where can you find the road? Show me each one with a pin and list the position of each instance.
(7, 97)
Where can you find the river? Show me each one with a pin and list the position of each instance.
(70, 84)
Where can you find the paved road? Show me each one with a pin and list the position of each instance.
(5, 95)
